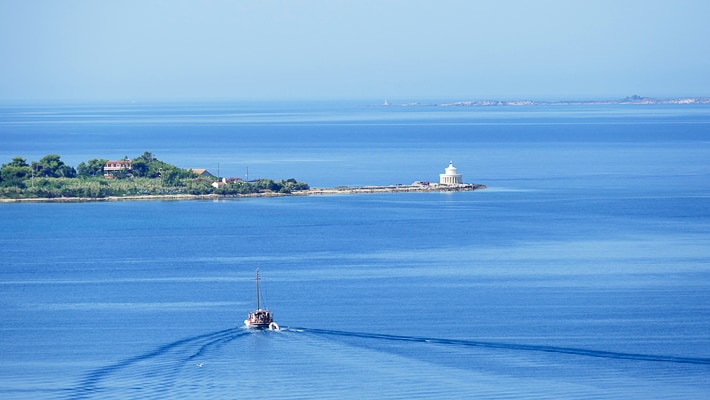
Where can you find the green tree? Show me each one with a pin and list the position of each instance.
(15, 173)
(18, 162)
(94, 167)
(52, 166)
(147, 156)
(289, 185)
(266, 184)
(140, 167)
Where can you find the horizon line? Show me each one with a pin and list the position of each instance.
(370, 101)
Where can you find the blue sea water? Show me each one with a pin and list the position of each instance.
(582, 271)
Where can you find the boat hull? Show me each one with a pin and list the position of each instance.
(271, 325)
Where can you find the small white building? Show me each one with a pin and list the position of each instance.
(450, 177)
(219, 184)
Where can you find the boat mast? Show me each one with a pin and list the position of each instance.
(258, 294)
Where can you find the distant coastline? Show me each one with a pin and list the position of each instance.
(639, 100)
(341, 190)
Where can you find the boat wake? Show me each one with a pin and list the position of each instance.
(510, 346)
(166, 361)
(217, 364)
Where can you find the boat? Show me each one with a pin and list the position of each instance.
(260, 319)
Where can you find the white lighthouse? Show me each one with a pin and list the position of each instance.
(450, 177)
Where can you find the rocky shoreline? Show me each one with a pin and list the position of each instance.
(343, 190)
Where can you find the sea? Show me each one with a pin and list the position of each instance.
(582, 271)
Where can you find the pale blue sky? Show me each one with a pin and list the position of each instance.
(359, 49)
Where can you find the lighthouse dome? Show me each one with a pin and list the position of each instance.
(451, 176)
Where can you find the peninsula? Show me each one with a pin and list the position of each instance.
(147, 178)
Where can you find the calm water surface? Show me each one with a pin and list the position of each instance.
(581, 272)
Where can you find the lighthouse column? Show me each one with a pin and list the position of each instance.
(450, 177)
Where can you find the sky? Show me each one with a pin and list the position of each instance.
(401, 50)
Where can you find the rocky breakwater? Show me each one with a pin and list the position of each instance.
(464, 187)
